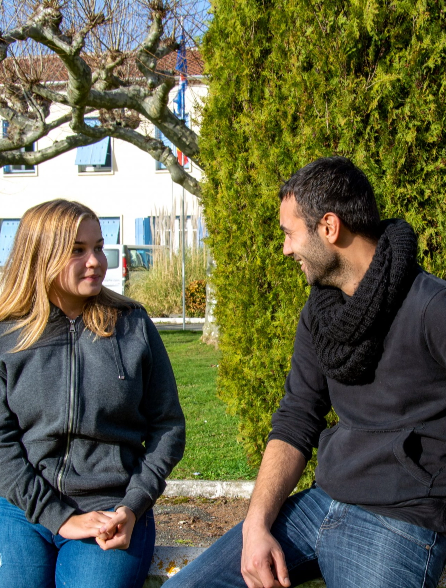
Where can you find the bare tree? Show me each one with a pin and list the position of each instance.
(110, 56)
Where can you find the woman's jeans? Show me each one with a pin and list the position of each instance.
(32, 557)
(349, 546)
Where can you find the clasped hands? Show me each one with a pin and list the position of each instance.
(112, 530)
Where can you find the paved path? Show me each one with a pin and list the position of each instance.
(179, 327)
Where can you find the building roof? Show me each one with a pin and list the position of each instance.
(49, 68)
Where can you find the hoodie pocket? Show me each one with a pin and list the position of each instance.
(402, 451)
(371, 466)
(94, 466)
(327, 432)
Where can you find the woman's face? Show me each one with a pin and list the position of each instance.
(83, 275)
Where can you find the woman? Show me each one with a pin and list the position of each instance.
(90, 423)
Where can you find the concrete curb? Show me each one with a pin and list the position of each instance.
(209, 488)
(177, 321)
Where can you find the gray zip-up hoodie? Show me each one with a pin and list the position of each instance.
(87, 423)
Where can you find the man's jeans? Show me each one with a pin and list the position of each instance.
(349, 546)
(32, 557)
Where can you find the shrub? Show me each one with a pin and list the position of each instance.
(196, 298)
(291, 81)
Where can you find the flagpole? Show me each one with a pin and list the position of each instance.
(180, 102)
(183, 264)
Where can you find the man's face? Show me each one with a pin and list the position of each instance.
(320, 264)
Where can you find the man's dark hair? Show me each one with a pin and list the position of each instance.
(334, 184)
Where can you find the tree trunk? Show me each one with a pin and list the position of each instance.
(210, 327)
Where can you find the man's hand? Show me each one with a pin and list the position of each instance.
(117, 532)
(85, 525)
(263, 562)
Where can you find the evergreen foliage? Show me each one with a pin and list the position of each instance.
(290, 81)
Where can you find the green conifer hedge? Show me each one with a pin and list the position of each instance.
(290, 81)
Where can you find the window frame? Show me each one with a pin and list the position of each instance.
(8, 170)
(98, 169)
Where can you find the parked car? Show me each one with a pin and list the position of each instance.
(123, 259)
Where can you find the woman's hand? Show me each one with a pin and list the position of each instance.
(117, 531)
(85, 525)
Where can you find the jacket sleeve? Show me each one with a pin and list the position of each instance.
(20, 484)
(165, 439)
(299, 419)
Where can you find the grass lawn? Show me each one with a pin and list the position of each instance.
(212, 451)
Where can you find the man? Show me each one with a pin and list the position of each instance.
(370, 342)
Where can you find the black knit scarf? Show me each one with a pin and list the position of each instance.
(348, 334)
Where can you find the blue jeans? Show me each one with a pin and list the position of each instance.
(32, 557)
(349, 546)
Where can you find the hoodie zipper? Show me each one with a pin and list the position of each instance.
(70, 405)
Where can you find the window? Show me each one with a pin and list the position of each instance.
(8, 229)
(202, 232)
(96, 157)
(17, 169)
(111, 229)
(159, 135)
(112, 256)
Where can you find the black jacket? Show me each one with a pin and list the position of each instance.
(388, 452)
(75, 410)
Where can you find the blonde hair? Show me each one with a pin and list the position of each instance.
(42, 248)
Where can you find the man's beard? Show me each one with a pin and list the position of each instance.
(322, 267)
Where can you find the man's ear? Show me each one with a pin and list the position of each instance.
(330, 225)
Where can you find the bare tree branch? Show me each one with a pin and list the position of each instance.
(50, 94)
(23, 132)
(36, 157)
(79, 39)
(102, 60)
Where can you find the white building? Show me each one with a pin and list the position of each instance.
(128, 190)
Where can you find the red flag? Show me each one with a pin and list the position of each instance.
(182, 159)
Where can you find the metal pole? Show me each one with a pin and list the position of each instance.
(183, 117)
(183, 263)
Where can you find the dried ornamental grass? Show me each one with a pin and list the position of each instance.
(160, 289)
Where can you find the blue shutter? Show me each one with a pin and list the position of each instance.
(7, 233)
(139, 231)
(148, 237)
(110, 230)
(83, 155)
(143, 230)
(95, 154)
(99, 152)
